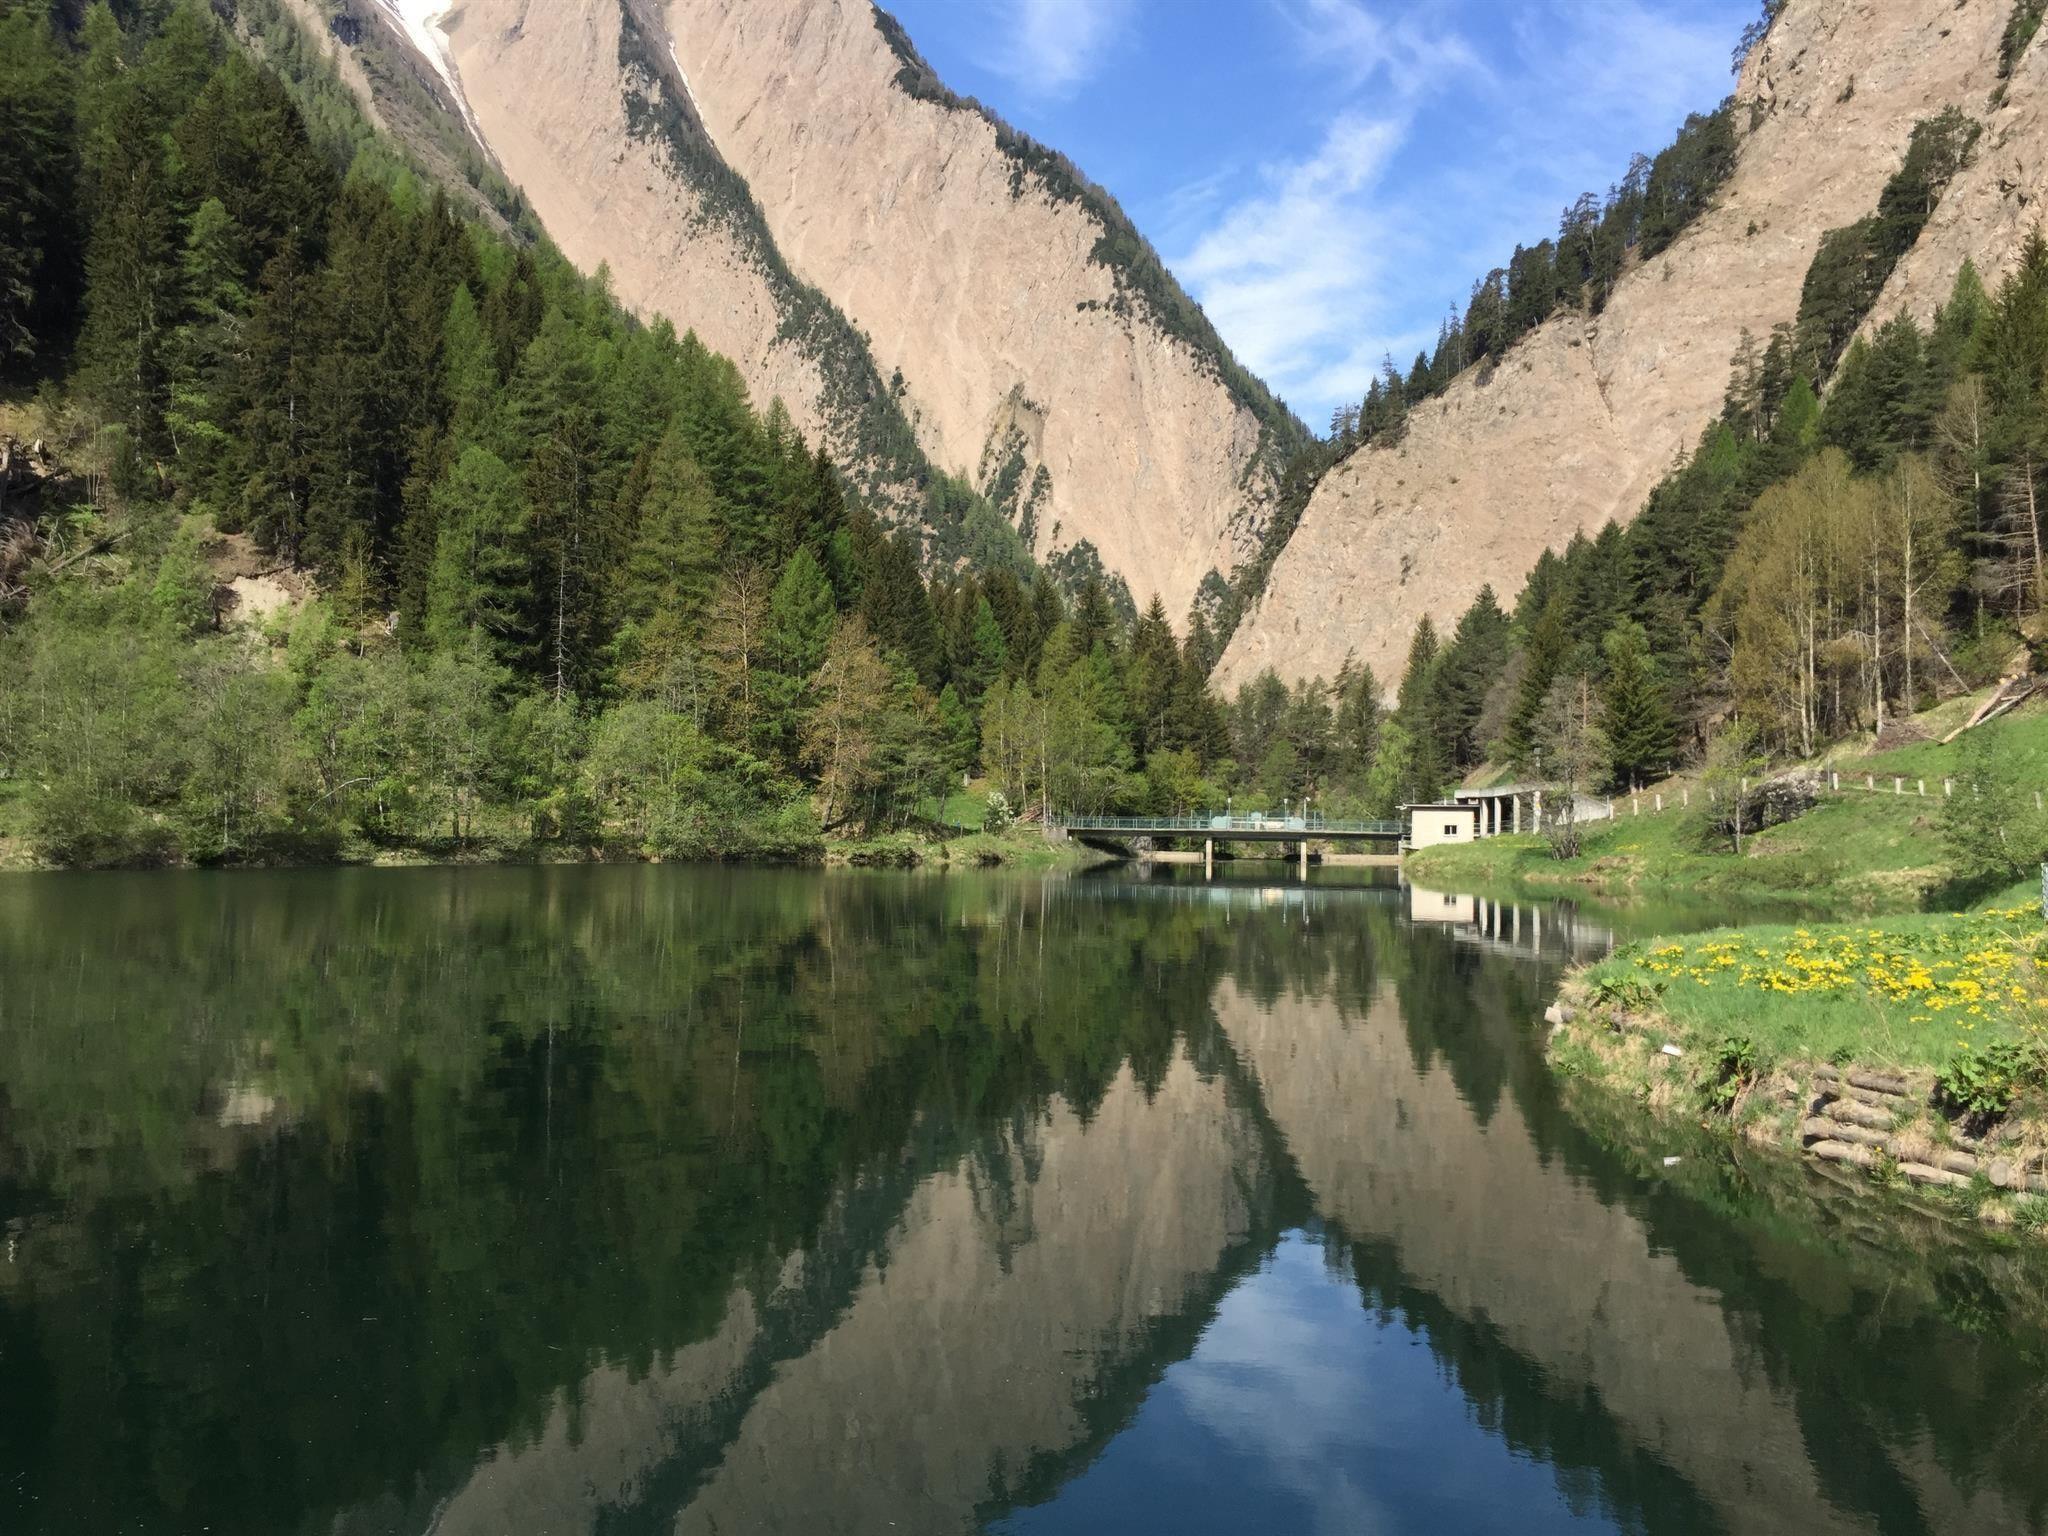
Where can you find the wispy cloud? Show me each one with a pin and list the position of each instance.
(1049, 47)
(1453, 130)
(1282, 264)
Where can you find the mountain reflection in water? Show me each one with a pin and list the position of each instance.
(578, 1200)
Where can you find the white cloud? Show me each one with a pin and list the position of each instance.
(1052, 46)
(1280, 265)
(1453, 131)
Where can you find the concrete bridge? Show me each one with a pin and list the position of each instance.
(1254, 827)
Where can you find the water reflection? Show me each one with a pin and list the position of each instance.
(580, 1200)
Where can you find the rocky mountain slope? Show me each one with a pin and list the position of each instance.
(921, 286)
(1586, 414)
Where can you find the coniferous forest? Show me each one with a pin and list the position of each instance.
(563, 582)
(520, 570)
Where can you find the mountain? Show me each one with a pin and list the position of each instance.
(1581, 419)
(954, 308)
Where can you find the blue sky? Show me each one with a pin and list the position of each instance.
(1328, 176)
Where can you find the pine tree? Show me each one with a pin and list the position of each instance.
(673, 550)
(988, 656)
(273, 418)
(1464, 674)
(1153, 673)
(898, 609)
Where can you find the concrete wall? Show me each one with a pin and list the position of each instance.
(1428, 828)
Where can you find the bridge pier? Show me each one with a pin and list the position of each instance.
(1304, 858)
(1208, 858)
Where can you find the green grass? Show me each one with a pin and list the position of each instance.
(1863, 853)
(964, 808)
(1899, 996)
(1855, 851)
(2022, 738)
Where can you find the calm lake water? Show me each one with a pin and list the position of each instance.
(685, 1200)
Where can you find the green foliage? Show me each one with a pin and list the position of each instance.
(1987, 836)
(1979, 1086)
(1635, 994)
(1853, 263)
(1732, 1071)
(2020, 28)
(1634, 715)
(36, 176)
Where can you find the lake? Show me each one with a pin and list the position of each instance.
(724, 1200)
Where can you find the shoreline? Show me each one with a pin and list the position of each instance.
(1028, 852)
(1903, 1059)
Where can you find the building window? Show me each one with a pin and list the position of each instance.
(1450, 829)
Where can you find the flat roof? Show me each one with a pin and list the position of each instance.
(1499, 789)
(1441, 805)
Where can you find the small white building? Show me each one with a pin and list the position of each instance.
(1443, 822)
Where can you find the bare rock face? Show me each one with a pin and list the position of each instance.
(1584, 416)
(921, 288)
(1993, 204)
(546, 91)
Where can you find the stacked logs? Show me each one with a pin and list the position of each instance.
(1854, 1118)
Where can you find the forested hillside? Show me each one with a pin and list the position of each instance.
(1579, 370)
(561, 582)
(1812, 573)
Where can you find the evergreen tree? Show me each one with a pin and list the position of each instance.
(1428, 757)
(37, 173)
(479, 573)
(1634, 715)
(801, 617)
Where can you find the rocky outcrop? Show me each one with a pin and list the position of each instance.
(1580, 420)
(922, 287)
(1992, 205)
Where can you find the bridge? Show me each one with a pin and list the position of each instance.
(1252, 827)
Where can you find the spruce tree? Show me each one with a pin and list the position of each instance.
(36, 183)
(478, 581)
(801, 617)
(1416, 708)
(1635, 715)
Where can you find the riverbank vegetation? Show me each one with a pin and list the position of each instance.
(1914, 1048)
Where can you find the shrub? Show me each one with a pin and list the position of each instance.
(1979, 1086)
(997, 815)
(1736, 1065)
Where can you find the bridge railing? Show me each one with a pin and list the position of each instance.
(1224, 826)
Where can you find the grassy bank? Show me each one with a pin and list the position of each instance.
(1912, 1048)
(1853, 852)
